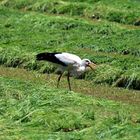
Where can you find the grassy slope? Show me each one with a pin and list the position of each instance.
(25, 34)
(122, 11)
(34, 110)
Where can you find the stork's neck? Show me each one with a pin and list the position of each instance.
(82, 66)
(81, 69)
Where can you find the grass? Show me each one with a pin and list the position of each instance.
(24, 34)
(126, 12)
(88, 88)
(106, 32)
(29, 107)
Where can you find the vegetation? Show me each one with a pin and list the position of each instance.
(105, 31)
(33, 110)
(23, 35)
(121, 11)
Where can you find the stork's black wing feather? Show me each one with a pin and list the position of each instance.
(50, 57)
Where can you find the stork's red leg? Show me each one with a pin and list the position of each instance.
(59, 79)
(68, 78)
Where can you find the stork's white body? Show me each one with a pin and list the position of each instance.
(73, 63)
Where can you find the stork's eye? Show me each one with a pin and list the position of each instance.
(87, 61)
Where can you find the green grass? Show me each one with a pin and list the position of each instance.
(88, 87)
(24, 34)
(121, 11)
(31, 107)
(34, 110)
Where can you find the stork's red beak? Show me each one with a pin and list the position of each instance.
(92, 66)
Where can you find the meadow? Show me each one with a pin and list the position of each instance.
(114, 46)
(31, 108)
(105, 31)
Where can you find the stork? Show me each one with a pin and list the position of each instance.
(66, 62)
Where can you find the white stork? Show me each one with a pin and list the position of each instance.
(67, 62)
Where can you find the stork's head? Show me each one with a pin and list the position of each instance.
(41, 56)
(88, 63)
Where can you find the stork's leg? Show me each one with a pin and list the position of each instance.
(59, 79)
(68, 78)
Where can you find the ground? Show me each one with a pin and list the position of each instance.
(103, 104)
